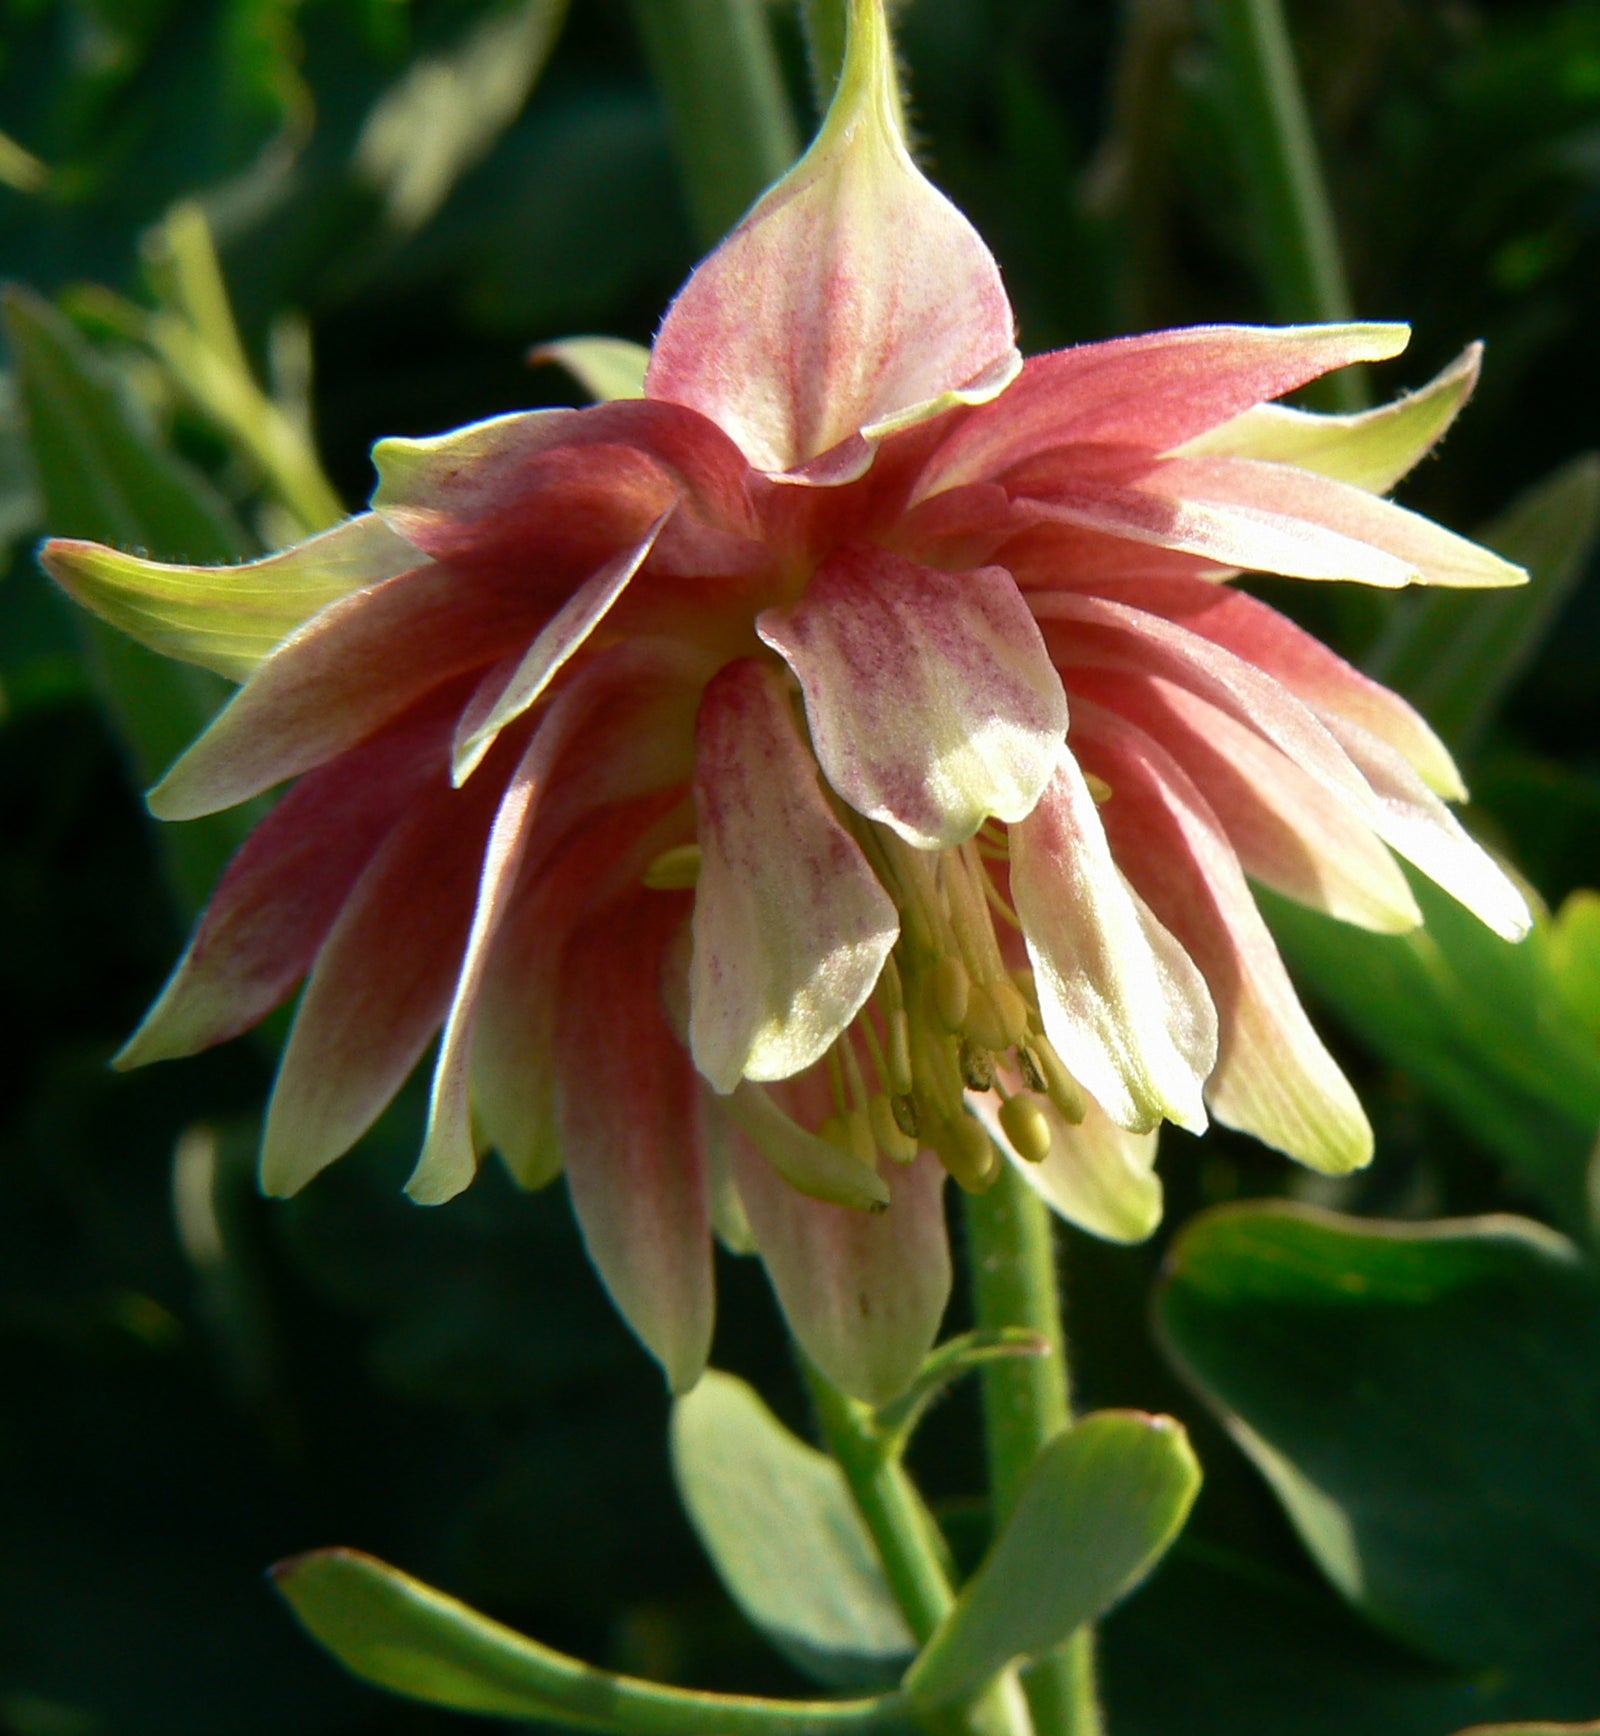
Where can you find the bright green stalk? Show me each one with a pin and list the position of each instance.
(729, 114)
(1299, 240)
(909, 1546)
(1011, 1255)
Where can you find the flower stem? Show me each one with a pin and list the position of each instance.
(1299, 240)
(1011, 1250)
(731, 122)
(909, 1546)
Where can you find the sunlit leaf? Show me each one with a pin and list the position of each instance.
(1101, 1504)
(777, 1519)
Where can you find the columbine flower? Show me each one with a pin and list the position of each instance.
(776, 785)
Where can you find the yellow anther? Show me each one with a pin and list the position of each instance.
(1063, 1090)
(904, 1108)
(977, 1066)
(1098, 787)
(1032, 1074)
(967, 1152)
(674, 870)
(1026, 986)
(1027, 1127)
(949, 992)
(1012, 1008)
(892, 1138)
(997, 1015)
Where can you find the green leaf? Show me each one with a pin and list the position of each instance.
(400, 1634)
(104, 476)
(777, 1519)
(1422, 1401)
(1574, 950)
(1481, 1024)
(606, 368)
(1454, 656)
(1101, 1505)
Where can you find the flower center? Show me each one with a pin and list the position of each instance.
(948, 1017)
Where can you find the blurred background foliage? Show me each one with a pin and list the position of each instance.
(404, 196)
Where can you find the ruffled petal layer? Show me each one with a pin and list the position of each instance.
(930, 696)
(791, 926)
(630, 1129)
(1273, 1078)
(1125, 1008)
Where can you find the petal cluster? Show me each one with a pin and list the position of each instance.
(842, 763)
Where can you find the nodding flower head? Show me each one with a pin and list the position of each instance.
(837, 767)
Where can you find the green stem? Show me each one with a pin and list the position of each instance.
(729, 114)
(1011, 1250)
(1300, 243)
(909, 1546)
(900, 1524)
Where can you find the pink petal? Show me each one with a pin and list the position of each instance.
(930, 695)
(1255, 538)
(1275, 645)
(281, 894)
(1434, 555)
(790, 924)
(574, 484)
(1151, 392)
(1418, 826)
(1375, 784)
(863, 1292)
(1273, 1078)
(562, 637)
(449, 1157)
(349, 671)
(1287, 833)
(1102, 634)
(519, 1005)
(380, 985)
(636, 1162)
(853, 298)
(1126, 1010)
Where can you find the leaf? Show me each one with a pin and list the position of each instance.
(1481, 1024)
(777, 1519)
(606, 368)
(103, 476)
(1454, 657)
(1574, 951)
(400, 1634)
(1422, 1401)
(1102, 1503)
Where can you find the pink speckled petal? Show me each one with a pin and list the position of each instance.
(854, 298)
(930, 695)
(790, 924)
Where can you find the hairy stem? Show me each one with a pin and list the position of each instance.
(1011, 1249)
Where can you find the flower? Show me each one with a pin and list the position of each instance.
(780, 786)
